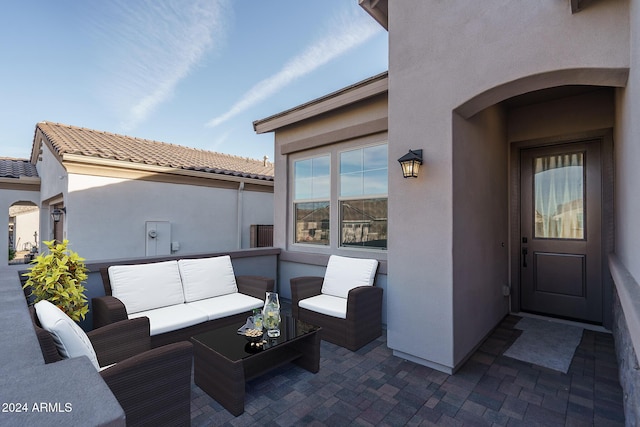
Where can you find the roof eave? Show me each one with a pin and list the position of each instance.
(378, 10)
(349, 95)
(70, 159)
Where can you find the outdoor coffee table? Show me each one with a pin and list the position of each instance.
(224, 360)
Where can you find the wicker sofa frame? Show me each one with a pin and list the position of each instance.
(109, 309)
(364, 313)
(153, 386)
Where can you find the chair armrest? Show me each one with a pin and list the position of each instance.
(118, 341)
(106, 310)
(154, 388)
(364, 301)
(256, 286)
(304, 287)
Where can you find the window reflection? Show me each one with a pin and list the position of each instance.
(559, 196)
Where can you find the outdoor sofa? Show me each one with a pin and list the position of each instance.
(153, 386)
(345, 302)
(181, 298)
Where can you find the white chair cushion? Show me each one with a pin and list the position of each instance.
(68, 336)
(344, 274)
(167, 319)
(226, 305)
(144, 287)
(326, 304)
(207, 277)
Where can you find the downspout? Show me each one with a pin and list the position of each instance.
(240, 210)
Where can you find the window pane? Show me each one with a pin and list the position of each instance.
(369, 165)
(351, 161)
(559, 196)
(364, 223)
(375, 157)
(312, 223)
(351, 184)
(312, 179)
(321, 188)
(375, 181)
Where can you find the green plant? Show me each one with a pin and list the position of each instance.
(57, 276)
(12, 253)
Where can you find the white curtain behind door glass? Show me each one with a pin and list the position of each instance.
(559, 196)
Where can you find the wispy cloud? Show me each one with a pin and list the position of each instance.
(152, 45)
(346, 32)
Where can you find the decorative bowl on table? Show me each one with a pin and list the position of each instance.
(253, 335)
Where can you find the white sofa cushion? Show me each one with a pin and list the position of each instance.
(167, 319)
(207, 277)
(344, 274)
(143, 287)
(226, 305)
(326, 304)
(68, 336)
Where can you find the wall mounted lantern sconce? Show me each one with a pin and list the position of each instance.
(57, 214)
(410, 163)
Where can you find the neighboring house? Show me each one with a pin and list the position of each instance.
(124, 197)
(486, 89)
(19, 198)
(24, 223)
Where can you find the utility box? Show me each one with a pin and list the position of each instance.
(158, 238)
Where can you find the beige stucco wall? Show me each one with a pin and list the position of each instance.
(480, 227)
(467, 50)
(590, 111)
(627, 158)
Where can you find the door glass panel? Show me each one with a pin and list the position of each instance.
(559, 196)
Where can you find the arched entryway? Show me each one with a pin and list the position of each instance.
(558, 132)
(24, 231)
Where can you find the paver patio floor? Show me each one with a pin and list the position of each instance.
(371, 387)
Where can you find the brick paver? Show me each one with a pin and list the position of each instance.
(371, 387)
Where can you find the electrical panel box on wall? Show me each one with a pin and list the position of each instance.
(158, 238)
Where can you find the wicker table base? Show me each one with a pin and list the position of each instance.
(224, 361)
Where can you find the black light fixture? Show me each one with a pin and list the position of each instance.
(57, 214)
(410, 163)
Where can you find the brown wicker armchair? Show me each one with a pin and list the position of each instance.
(350, 316)
(153, 386)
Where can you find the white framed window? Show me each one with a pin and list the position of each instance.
(362, 199)
(338, 198)
(312, 200)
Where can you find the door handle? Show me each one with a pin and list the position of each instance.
(524, 257)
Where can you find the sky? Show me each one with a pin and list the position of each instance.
(191, 72)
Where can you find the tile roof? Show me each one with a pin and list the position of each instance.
(92, 143)
(15, 168)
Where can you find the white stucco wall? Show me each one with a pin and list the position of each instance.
(443, 55)
(50, 167)
(106, 216)
(26, 225)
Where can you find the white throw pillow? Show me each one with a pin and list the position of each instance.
(68, 336)
(207, 277)
(144, 287)
(344, 274)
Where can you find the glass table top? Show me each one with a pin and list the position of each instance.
(227, 342)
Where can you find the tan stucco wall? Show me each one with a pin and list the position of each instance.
(580, 113)
(480, 227)
(627, 157)
(443, 57)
